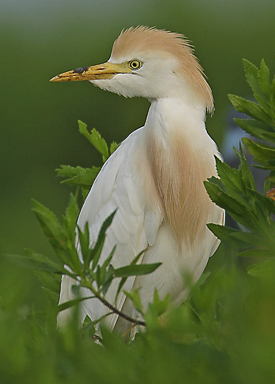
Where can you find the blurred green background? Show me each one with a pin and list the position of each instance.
(38, 119)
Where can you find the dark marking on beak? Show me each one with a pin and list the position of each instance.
(80, 70)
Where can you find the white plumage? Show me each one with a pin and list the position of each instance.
(155, 178)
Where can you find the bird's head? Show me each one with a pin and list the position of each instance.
(150, 63)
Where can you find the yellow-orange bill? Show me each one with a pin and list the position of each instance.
(95, 72)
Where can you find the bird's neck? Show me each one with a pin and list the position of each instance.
(181, 157)
(168, 115)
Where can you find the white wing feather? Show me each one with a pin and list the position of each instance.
(134, 227)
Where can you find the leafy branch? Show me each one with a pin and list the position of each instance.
(235, 189)
(84, 177)
(86, 270)
(72, 246)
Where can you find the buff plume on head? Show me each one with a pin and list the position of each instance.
(143, 39)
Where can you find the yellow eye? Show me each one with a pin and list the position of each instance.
(135, 64)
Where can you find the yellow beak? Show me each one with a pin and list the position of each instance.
(95, 72)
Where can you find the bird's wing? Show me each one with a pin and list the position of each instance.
(134, 227)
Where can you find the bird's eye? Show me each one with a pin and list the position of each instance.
(135, 64)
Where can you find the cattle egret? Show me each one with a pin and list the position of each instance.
(155, 178)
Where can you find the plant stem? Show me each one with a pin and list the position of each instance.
(88, 285)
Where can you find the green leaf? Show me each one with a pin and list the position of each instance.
(84, 242)
(72, 303)
(262, 153)
(241, 213)
(272, 100)
(250, 108)
(264, 203)
(95, 139)
(69, 172)
(61, 237)
(264, 253)
(216, 181)
(78, 176)
(263, 269)
(93, 254)
(123, 279)
(98, 276)
(105, 273)
(36, 261)
(242, 239)
(69, 225)
(88, 328)
(136, 270)
(155, 310)
(234, 182)
(224, 200)
(259, 82)
(245, 172)
(257, 129)
(70, 217)
(113, 147)
(50, 225)
(159, 306)
(107, 279)
(251, 74)
(226, 234)
(109, 259)
(135, 298)
(264, 81)
(49, 280)
(229, 176)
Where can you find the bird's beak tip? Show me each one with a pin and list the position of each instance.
(53, 78)
(62, 77)
(78, 74)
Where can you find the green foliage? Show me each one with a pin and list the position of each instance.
(86, 271)
(235, 190)
(66, 238)
(223, 333)
(261, 124)
(84, 177)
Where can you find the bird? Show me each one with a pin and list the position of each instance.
(155, 178)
